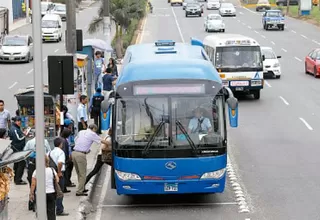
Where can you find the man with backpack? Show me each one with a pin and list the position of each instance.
(57, 161)
(95, 108)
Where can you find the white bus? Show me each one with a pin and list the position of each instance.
(238, 59)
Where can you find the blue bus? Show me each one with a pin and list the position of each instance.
(168, 121)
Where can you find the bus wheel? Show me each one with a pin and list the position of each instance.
(256, 94)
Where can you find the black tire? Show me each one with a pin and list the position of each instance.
(256, 94)
(186, 15)
(223, 30)
(305, 68)
(278, 77)
(200, 15)
(315, 72)
(29, 58)
(206, 30)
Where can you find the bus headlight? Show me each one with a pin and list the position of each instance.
(256, 82)
(214, 175)
(127, 176)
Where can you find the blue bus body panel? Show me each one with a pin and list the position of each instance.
(157, 168)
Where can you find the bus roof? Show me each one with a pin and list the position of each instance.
(181, 61)
(220, 40)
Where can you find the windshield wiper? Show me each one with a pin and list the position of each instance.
(146, 149)
(193, 146)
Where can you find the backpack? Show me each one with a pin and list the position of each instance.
(52, 164)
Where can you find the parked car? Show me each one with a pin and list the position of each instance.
(263, 5)
(193, 9)
(227, 9)
(284, 2)
(17, 48)
(61, 10)
(271, 64)
(214, 22)
(312, 62)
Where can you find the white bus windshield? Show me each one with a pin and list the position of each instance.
(238, 57)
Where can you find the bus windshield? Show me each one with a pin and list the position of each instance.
(238, 58)
(175, 120)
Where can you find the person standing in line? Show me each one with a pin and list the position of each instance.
(82, 115)
(108, 82)
(95, 108)
(18, 139)
(84, 140)
(99, 162)
(98, 66)
(4, 117)
(51, 176)
(113, 66)
(58, 157)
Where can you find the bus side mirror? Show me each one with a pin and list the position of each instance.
(263, 58)
(233, 111)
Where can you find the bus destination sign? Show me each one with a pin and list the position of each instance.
(169, 89)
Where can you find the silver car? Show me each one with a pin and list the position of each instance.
(61, 10)
(214, 22)
(18, 48)
(227, 9)
(213, 4)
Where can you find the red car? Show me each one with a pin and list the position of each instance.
(312, 62)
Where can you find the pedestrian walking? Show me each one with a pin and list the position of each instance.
(68, 124)
(113, 66)
(5, 122)
(105, 149)
(98, 67)
(82, 113)
(57, 156)
(18, 143)
(31, 162)
(83, 143)
(108, 82)
(95, 108)
(51, 179)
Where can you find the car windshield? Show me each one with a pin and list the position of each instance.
(196, 118)
(60, 8)
(214, 17)
(268, 54)
(238, 56)
(227, 5)
(274, 14)
(193, 5)
(49, 24)
(189, 1)
(15, 41)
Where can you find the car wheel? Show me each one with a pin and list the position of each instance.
(315, 72)
(206, 30)
(29, 58)
(200, 15)
(305, 68)
(278, 77)
(267, 27)
(256, 94)
(223, 30)
(186, 15)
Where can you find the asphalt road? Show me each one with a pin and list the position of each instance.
(20, 75)
(275, 149)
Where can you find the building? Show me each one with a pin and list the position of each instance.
(15, 7)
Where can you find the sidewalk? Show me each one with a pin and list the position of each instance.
(19, 195)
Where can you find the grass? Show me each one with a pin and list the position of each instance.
(294, 12)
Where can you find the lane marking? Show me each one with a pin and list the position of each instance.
(306, 124)
(297, 59)
(13, 85)
(45, 59)
(267, 83)
(30, 71)
(243, 23)
(263, 36)
(303, 36)
(249, 27)
(284, 50)
(256, 32)
(241, 13)
(238, 20)
(273, 43)
(143, 31)
(253, 12)
(56, 50)
(178, 26)
(166, 205)
(293, 31)
(284, 101)
(316, 42)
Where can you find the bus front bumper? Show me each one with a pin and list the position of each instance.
(170, 186)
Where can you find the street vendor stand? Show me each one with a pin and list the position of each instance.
(25, 99)
(7, 157)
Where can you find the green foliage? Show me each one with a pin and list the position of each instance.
(127, 38)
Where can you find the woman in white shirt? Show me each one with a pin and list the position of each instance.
(51, 176)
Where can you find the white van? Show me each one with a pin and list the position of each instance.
(51, 27)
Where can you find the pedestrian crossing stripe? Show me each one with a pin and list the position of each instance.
(257, 76)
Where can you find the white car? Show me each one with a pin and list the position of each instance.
(185, 2)
(214, 22)
(271, 64)
(18, 48)
(227, 9)
(213, 4)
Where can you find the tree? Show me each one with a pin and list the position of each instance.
(122, 13)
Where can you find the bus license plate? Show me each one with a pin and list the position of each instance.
(171, 187)
(239, 88)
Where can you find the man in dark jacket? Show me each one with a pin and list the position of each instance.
(95, 107)
(18, 139)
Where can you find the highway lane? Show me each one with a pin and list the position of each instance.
(274, 147)
(20, 75)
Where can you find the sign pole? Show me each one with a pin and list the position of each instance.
(39, 110)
